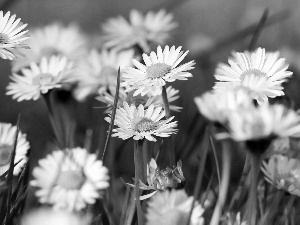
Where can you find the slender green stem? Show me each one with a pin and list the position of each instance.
(224, 184)
(252, 198)
(138, 170)
(169, 140)
(166, 102)
(200, 173)
(239, 191)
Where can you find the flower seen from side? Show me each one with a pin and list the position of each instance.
(48, 216)
(234, 219)
(264, 122)
(283, 172)
(12, 36)
(40, 78)
(140, 30)
(99, 71)
(107, 97)
(161, 179)
(53, 39)
(172, 208)
(260, 73)
(139, 123)
(159, 68)
(217, 107)
(70, 179)
(7, 139)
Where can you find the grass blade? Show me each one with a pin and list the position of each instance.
(113, 115)
(200, 172)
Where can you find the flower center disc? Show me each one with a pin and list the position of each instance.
(254, 72)
(70, 179)
(5, 154)
(42, 79)
(158, 70)
(144, 125)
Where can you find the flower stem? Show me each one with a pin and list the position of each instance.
(252, 198)
(169, 140)
(138, 159)
(224, 184)
(166, 102)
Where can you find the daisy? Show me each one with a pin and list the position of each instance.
(12, 36)
(261, 74)
(263, 122)
(53, 39)
(217, 107)
(7, 139)
(283, 173)
(48, 216)
(108, 98)
(140, 30)
(40, 78)
(70, 179)
(99, 71)
(139, 123)
(172, 208)
(159, 68)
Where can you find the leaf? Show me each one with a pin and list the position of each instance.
(113, 115)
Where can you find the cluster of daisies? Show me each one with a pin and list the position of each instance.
(239, 109)
(63, 57)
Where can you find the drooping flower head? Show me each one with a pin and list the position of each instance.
(162, 179)
(234, 219)
(159, 68)
(263, 122)
(107, 97)
(139, 123)
(70, 179)
(283, 173)
(7, 139)
(217, 107)
(99, 71)
(140, 30)
(12, 36)
(172, 208)
(40, 78)
(261, 74)
(48, 216)
(53, 39)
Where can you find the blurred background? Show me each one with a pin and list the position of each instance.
(203, 24)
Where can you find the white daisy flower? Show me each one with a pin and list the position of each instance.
(12, 36)
(283, 173)
(139, 123)
(53, 39)
(140, 30)
(217, 107)
(255, 123)
(48, 216)
(70, 179)
(99, 71)
(7, 139)
(40, 78)
(161, 67)
(172, 208)
(261, 74)
(146, 100)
